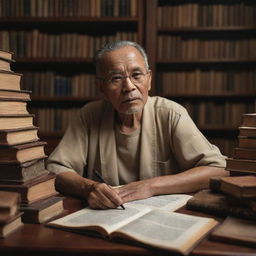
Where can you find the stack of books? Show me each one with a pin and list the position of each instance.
(243, 161)
(10, 217)
(22, 166)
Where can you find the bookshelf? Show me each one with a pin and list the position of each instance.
(203, 56)
(54, 42)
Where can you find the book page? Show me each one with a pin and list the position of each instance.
(164, 202)
(109, 220)
(173, 231)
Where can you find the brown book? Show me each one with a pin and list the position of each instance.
(18, 136)
(15, 94)
(42, 210)
(218, 204)
(241, 165)
(33, 190)
(23, 152)
(239, 186)
(244, 153)
(15, 121)
(245, 142)
(11, 225)
(6, 55)
(249, 120)
(13, 106)
(247, 131)
(5, 63)
(236, 231)
(9, 202)
(9, 80)
(22, 172)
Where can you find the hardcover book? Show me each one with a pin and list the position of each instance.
(245, 142)
(249, 119)
(23, 152)
(140, 224)
(9, 80)
(36, 189)
(239, 186)
(15, 94)
(11, 225)
(236, 231)
(247, 131)
(13, 106)
(22, 172)
(10, 137)
(241, 165)
(42, 210)
(245, 153)
(16, 121)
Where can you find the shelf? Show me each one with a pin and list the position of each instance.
(206, 29)
(61, 99)
(218, 128)
(223, 95)
(52, 60)
(60, 20)
(206, 61)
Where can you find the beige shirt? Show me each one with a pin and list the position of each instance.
(169, 142)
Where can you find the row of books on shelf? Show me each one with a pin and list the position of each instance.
(33, 43)
(177, 14)
(211, 81)
(53, 119)
(27, 190)
(67, 8)
(178, 47)
(51, 84)
(220, 114)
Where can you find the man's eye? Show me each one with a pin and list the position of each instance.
(116, 78)
(137, 75)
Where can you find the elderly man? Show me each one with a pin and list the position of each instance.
(149, 145)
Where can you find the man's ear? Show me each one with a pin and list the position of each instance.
(149, 79)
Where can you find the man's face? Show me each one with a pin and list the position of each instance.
(128, 95)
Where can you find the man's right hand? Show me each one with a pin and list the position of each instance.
(102, 196)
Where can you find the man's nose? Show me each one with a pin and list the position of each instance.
(127, 85)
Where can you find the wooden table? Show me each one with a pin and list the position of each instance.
(37, 240)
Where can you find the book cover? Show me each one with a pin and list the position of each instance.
(10, 80)
(236, 231)
(22, 152)
(247, 131)
(241, 165)
(15, 94)
(239, 186)
(249, 119)
(10, 225)
(22, 172)
(42, 210)
(36, 189)
(15, 121)
(10, 137)
(13, 106)
(245, 142)
(244, 153)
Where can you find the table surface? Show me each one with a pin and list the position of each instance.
(38, 239)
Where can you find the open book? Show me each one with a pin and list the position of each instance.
(149, 222)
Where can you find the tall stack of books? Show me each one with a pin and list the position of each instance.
(244, 160)
(22, 166)
(10, 217)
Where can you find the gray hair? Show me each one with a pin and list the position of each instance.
(112, 46)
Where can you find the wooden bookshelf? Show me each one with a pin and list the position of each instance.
(36, 30)
(214, 63)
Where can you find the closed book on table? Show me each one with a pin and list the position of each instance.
(22, 172)
(9, 202)
(247, 131)
(36, 189)
(15, 94)
(22, 153)
(11, 225)
(13, 106)
(5, 60)
(16, 121)
(17, 136)
(249, 120)
(245, 142)
(239, 186)
(241, 165)
(244, 153)
(10, 80)
(42, 210)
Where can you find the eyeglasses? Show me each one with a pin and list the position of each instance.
(137, 78)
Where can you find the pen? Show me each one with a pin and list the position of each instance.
(103, 181)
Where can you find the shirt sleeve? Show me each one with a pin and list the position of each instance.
(71, 153)
(190, 146)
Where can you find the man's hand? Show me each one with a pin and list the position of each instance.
(135, 190)
(102, 196)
